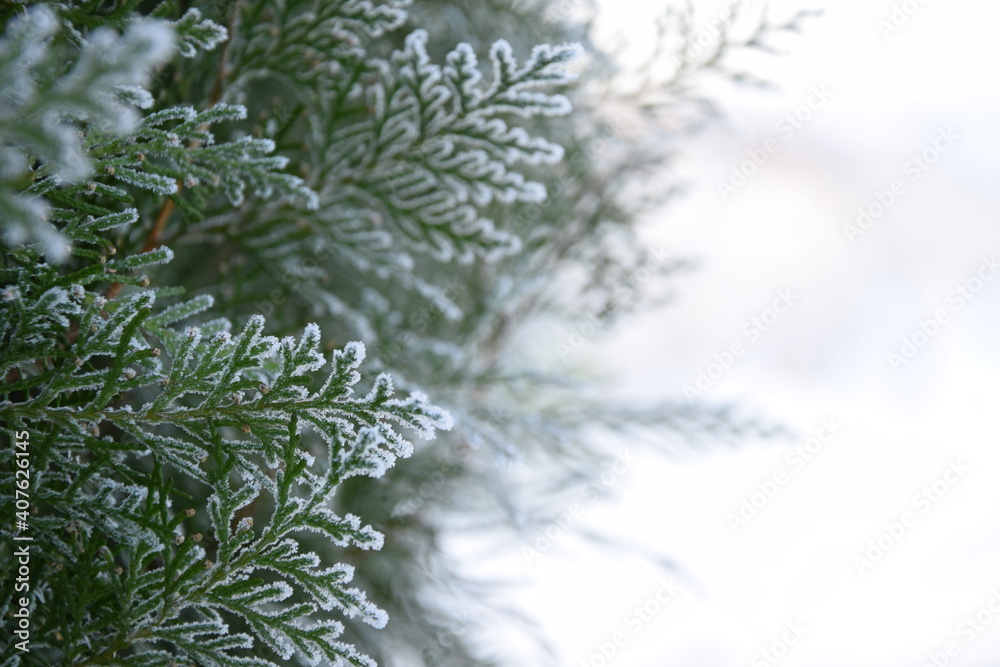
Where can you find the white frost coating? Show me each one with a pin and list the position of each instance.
(27, 44)
(161, 255)
(108, 61)
(136, 95)
(43, 118)
(71, 165)
(357, 350)
(158, 183)
(311, 337)
(157, 38)
(195, 33)
(191, 371)
(377, 618)
(56, 249)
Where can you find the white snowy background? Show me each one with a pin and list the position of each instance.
(795, 562)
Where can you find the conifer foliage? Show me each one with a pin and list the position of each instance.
(238, 243)
(143, 412)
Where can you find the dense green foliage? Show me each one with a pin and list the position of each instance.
(184, 195)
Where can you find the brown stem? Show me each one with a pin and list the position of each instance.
(152, 239)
